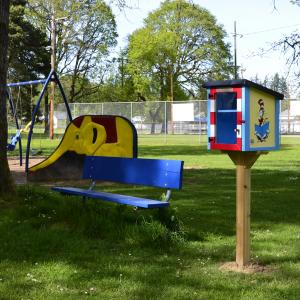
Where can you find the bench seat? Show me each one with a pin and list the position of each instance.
(160, 173)
(117, 198)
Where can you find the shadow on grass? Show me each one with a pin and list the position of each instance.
(125, 252)
(211, 193)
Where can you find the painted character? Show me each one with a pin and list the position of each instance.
(262, 128)
(261, 112)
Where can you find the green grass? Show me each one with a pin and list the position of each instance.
(55, 247)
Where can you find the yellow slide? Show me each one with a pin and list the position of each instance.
(93, 135)
(26, 128)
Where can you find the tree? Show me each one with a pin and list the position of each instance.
(290, 44)
(179, 46)
(28, 55)
(84, 37)
(6, 182)
(275, 82)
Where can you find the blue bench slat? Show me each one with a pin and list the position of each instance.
(149, 172)
(121, 199)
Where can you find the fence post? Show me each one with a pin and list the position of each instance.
(166, 122)
(289, 116)
(199, 103)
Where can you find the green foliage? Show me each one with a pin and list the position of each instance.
(29, 58)
(181, 43)
(84, 38)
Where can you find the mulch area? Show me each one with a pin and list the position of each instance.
(17, 171)
(19, 175)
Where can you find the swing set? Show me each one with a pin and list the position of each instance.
(16, 138)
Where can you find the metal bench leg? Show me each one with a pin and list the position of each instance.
(166, 197)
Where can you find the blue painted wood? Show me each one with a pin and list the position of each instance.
(226, 128)
(121, 199)
(277, 124)
(209, 109)
(245, 108)
(152, 172)
(149, 172)
(226, 118)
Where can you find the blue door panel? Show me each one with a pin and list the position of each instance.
(226, 128)
(226, 118)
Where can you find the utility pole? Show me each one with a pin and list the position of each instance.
(53, 67)
(235, 52)
(172, 95)
(122, 72)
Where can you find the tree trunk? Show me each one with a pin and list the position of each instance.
(6, 182)
(154, 115)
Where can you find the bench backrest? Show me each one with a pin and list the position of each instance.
(150, 172)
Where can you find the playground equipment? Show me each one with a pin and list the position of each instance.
(52, 77)
(86, 135)
(17, 137)
(243, 121)
(113, 136)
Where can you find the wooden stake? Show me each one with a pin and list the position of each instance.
(243, 199)
(243, 161)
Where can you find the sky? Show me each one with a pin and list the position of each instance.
(259, 25)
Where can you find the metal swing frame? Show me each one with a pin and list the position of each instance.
(52, 77)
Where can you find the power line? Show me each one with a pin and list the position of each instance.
(267, 30)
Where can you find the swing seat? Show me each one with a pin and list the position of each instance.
(10, 147)
(13, 142)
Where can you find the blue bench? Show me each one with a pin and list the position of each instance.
(136, 171)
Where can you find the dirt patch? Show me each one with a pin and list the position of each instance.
(17, 171)
(249, 269)
(19, 175)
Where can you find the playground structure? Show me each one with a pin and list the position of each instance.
(243, 121)
(86, 135)
(29, 127)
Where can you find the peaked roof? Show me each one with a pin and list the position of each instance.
(241, 82)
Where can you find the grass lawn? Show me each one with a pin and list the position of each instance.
(55, 247)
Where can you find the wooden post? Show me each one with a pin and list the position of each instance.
(53, 62)
(243, 161)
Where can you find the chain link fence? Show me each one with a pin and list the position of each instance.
(157, 117)
(161, 117)
(290, 117)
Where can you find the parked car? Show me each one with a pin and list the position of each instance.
(139, 122)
